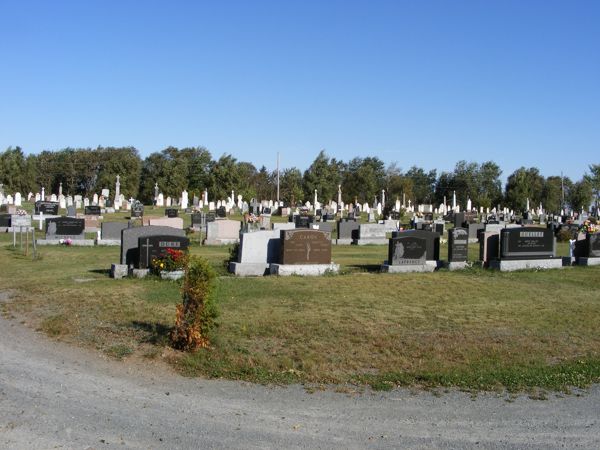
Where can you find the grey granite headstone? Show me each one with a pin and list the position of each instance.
(112, 230)
(130, 237)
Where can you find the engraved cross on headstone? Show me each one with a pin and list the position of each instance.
(147, 246)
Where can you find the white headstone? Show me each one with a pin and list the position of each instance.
(18, 200)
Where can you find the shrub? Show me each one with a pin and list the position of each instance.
(173, 259)
(564, 234)
(234, 252)
(196, 315)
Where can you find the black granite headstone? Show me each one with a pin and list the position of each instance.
(50, 208)
(171, 212)
(65, 227)
(432, 239)
(458, 244)
(527, 243)
(92, 210)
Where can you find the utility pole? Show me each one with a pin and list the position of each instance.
(562, 187)
(277, 177)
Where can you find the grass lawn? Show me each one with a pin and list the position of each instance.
(475, 329)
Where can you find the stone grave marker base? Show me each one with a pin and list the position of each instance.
(429, 266)
(108, 242)
(456, 265)
(118, 271)
(74, 242)
(370, 241)
(588, 261)
(524, 264)
(303, 269)
(249, 269)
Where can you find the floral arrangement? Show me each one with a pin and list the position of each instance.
(66, 242)
(21, 212)
(251, 218)
(589, 227)
(172, 260)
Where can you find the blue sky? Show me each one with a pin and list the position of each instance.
(420, 83)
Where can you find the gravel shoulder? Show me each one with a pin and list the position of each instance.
(55, 395)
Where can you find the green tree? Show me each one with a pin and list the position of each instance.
(593, 180)
(224, 177)
(324, 176)
(552, 194)
(13, 172)
(524, 184)
(423, 184)
(580, 195)
(364, 178)
(397, 184)
(290, 186)
(124, 162)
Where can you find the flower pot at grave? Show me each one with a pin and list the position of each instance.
(172, 274)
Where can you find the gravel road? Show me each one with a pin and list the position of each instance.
(55, 396)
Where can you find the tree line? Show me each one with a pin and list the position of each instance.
(87, 171)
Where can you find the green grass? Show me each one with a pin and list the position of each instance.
(474, 329)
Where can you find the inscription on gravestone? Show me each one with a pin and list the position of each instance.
(151, 247)
(61, 227)
(458, 244)
(92, 210)
(407, 250)
(50, 208)
(171, 212)
(300, 246)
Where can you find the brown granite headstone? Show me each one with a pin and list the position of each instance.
(302, 246)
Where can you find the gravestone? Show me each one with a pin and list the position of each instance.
(92, 210)
(373, 233)
(155, 246)
(130, 240)
(211, 216)
(5, 220)
(48, 208)
(527, 243)
(458, 245)
(527, 248)
(175, 222)
(589, 247)
(407, 250)
(137, 209)
(489, 246)
(171, 212)
(221, 212)
(303, 221)
(459, 219)
(256, 252)
(222, 232)
(305, 247)
(198, 220)
(347, 230)
(65, 228)
(18, 220)
(71, 211)
(432, 240)
(112, 230)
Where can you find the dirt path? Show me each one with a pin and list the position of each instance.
(56, 396)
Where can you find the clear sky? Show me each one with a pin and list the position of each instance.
(422, 83)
